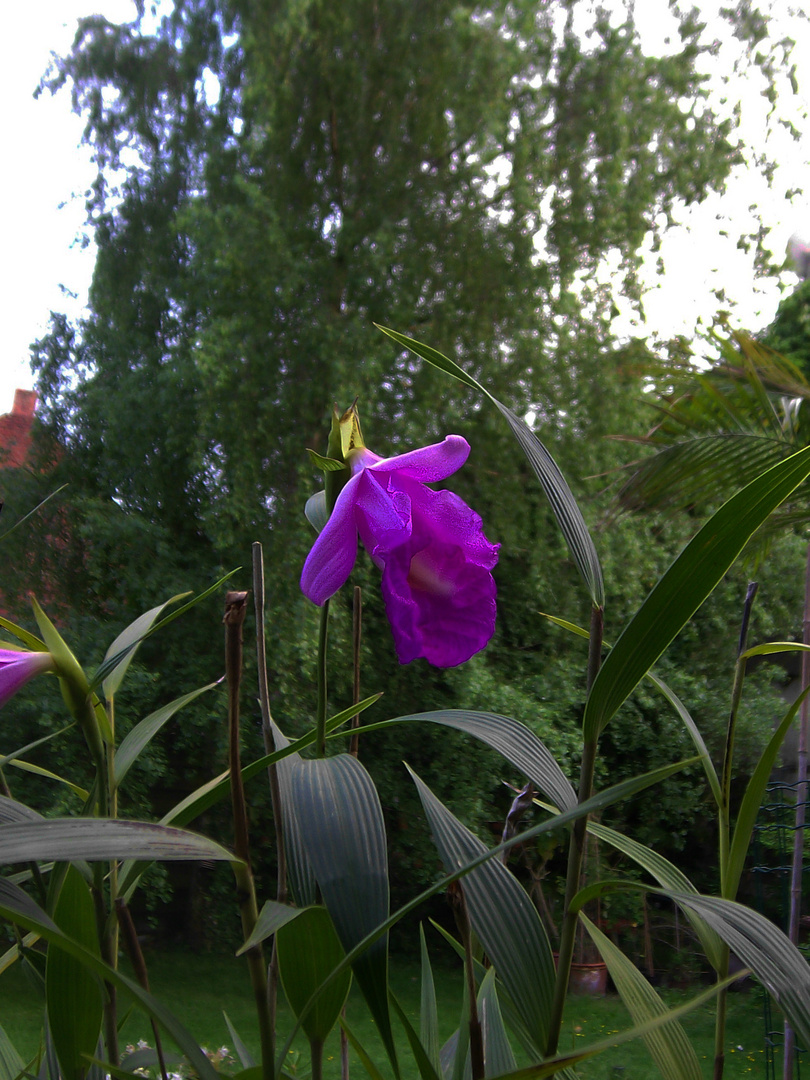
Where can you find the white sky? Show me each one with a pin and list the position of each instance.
(46, 174)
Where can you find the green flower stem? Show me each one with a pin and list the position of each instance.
(724, 825)
(320, 737)
(272, 773)
(235, 610)
(576, 849)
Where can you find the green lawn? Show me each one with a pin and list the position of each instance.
(198, 987)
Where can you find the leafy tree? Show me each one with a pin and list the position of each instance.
(273, 180)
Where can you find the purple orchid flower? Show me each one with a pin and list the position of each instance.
(18, 667)
(438, 590)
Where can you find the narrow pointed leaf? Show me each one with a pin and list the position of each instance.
(502, 915)
(308, 949)
(246, 1059)
(428, 1011)
(8, 759)
(17, 907)
(498, 1055)
(694, 734)
(142, 734)
(340, 823)
(112, 660)
(29, 640)
(102, 839)
(271, 919)
(72, 992)
(684, 587)
(775, 961)
(752, 799)
(668, 1045)
(361, 1051)
(12, 1065)
(424, 1063)
(37, 770)
(127, 643)
(565, 507)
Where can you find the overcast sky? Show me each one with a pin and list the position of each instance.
(46, 173)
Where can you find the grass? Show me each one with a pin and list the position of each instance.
(198, 987)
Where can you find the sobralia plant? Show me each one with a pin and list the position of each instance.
(329, 920)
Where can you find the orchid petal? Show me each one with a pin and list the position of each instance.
(429, 463)
(333, 554)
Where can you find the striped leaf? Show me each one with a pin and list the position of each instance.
(668, 1045)
(340, 825)
(502, 915)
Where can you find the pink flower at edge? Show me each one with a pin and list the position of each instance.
(438, 590)
(18, 667)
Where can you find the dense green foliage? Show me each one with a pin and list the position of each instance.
(273, 180)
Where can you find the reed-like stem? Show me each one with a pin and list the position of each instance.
(576, 849)
(235, 610)
(320, 719)
(272, 773)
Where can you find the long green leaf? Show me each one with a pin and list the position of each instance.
(308, 949)
(128, 642)
(424, 1063)
(341, 827)
(776, 962)
(694, 734)
(299, 869)
(38, 770)
(513, 740)
(111, 661)
(565, 507)
(142, 734)
(216, 789)
(498, 1055)
(72, 992)
(428, 1011)
(31, 513)
(752, 800)
(668, 1045)
(684, 587)
(502, 915)
(102, 839)
(8, 759)
(18, 908)
(667, 875)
